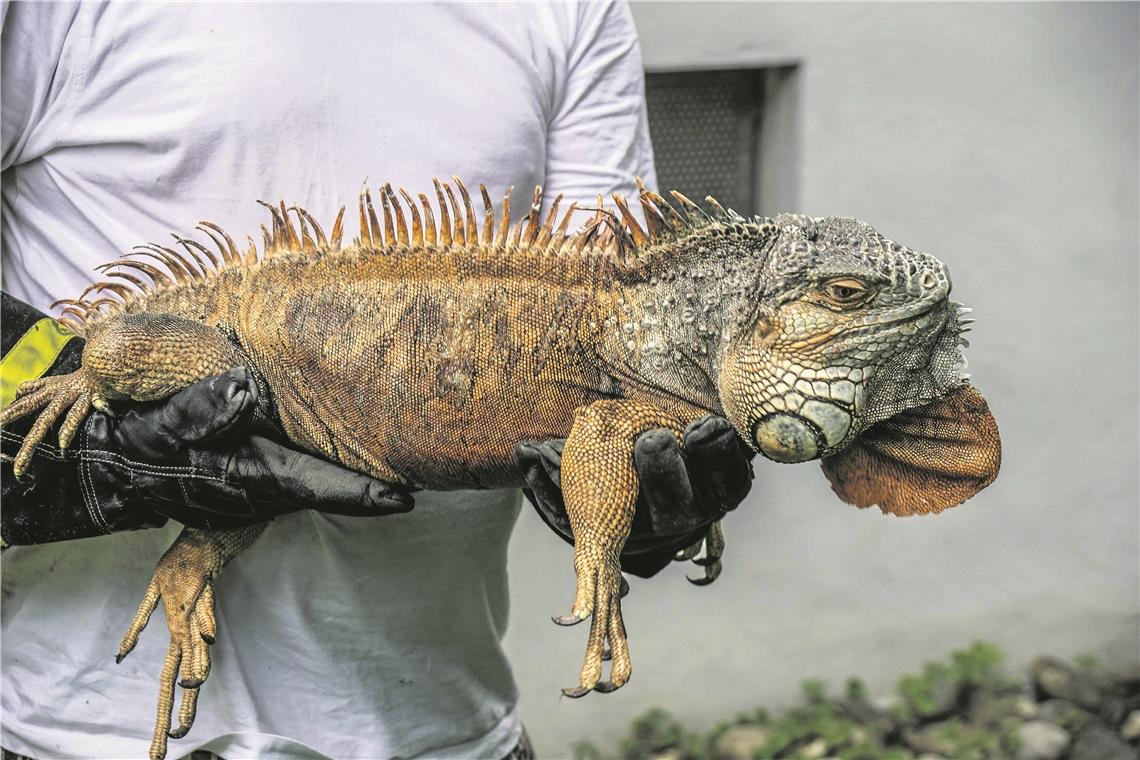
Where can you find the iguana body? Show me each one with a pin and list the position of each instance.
(425, 354)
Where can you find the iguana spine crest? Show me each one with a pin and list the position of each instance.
(616, 238)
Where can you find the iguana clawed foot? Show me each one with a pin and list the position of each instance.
(184, 581)
(600, 588)
(74, 393)
(713, 544)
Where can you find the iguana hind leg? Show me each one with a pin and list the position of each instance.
(184, 582)
(600, 484)
(143, 357)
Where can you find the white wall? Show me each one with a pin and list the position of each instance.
(1003, 139)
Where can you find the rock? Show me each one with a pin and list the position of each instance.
(1099, 743)
(813, 751)
(1065, 714)
(673, 753)
(1038, 740)
(1115, 709)
(741, 742)
(1052, 678)
(989, 710)
(1130, 731)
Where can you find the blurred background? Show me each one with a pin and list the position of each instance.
(1002, 138)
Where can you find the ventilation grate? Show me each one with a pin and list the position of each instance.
(705, 127)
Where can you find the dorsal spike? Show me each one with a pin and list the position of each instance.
(389, 228)
(697, 215)
(505, 219)
(267, 242)
(274, 241)
(250, 257)
(232, 255)
(77, 310)
(138, 282)
(291, 237)
(417, 225)
(181, 270)
(471, 231)
(444, 217)
(654, 224)
(401, 225)
(365, 230)
(337, 230)
(638, 234)
(308, 245)
(516, 234)
(118, 288)
(374, 232)
(194, 245)
(321, 241)
(548, 228)
(718, 210)
(488, 217)
(139, 250)
(457, 231)
(672, 219)
(589, 232)
(429, 221)
(559, 241)
(98, 304)
(194, 271)
(534, 217)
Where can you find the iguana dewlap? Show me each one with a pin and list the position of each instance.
(425, 352)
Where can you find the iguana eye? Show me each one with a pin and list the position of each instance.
(844, 291)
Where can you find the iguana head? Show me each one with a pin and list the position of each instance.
(847, 329)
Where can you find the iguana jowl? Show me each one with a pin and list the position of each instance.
(424, 353)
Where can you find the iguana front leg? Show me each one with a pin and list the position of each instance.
(140, 357)
(184, 581)
(600, 485)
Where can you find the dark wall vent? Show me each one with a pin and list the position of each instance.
(706, 133)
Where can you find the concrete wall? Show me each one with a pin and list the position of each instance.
(1003, 139)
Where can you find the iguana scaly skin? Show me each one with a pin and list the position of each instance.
(424, 353)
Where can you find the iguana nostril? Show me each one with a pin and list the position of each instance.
(786, 438)
(929, 280)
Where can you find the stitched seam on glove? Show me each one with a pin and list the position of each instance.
(87, 486)
(42, 448)
(121, 462)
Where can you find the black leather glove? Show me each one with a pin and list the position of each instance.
(202, 457)
(681, 493)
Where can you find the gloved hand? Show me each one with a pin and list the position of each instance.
(682, 493)
(201, 457)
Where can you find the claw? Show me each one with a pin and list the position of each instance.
(712, 572)
(605, 687)
(576, 693)
(566, 620)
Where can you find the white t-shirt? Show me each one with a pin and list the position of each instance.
(338, 637)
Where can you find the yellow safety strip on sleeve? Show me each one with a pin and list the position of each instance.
(32, 356)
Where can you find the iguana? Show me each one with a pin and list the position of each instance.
(424, 353)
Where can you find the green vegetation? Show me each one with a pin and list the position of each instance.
(966, 707)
